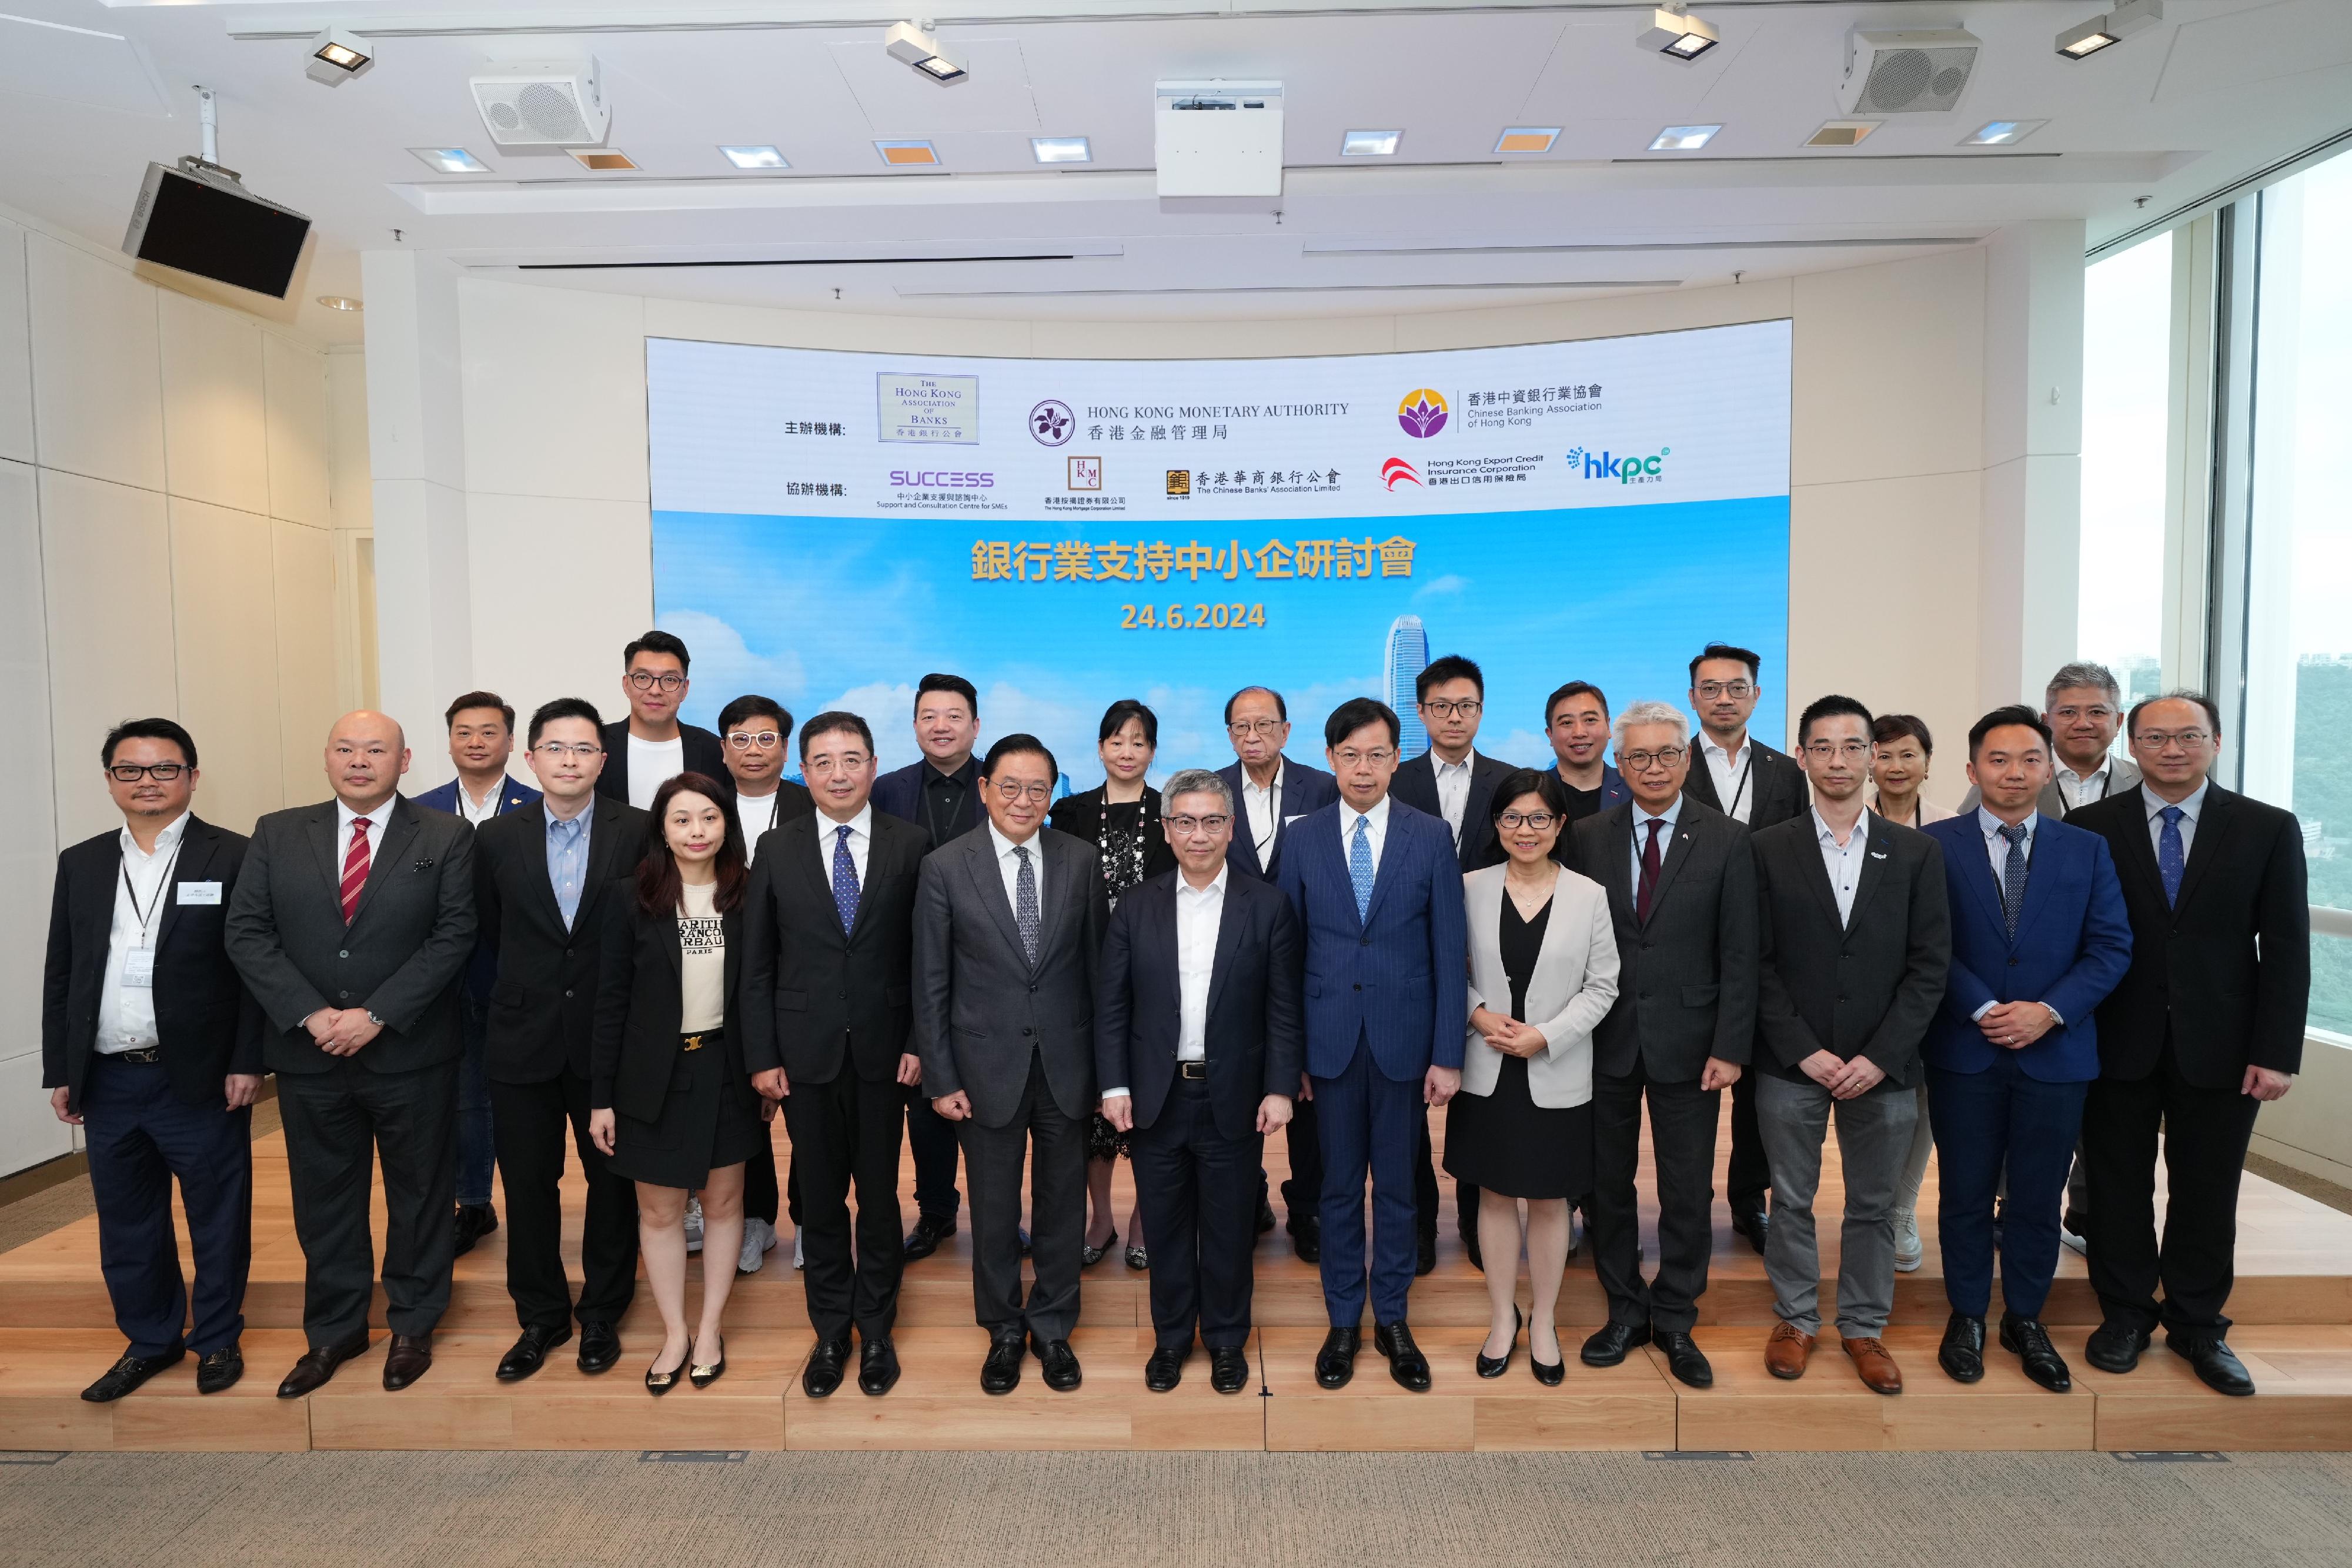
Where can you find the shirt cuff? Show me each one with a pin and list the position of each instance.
(1119, 1094)
(1978, 1016)
(2055, 1013)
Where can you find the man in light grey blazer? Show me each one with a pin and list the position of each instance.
(1009, 922)
(352, 923)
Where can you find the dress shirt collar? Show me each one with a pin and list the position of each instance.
(2081, 779)
(345, 816)
(860, 826)
(1828, 835)
(1671, 816)
(1004, 846)
(1707, 748)
(578, 820)
(1990, 826)
(169, 839)
(1216, 889)
(2190, 808)
(1446, 770)
(1378, 816)
(1250, 785)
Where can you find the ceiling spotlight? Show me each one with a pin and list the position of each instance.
(754, 157)
(2002, 133)
(451, 159)
(337, 55)
(1527, 138)
(910, 43)
(1684, 138)
(2084, 40)
(340, 302)
(1843, 132)
(1370, 143)
(1061, 150)
(1675, 34)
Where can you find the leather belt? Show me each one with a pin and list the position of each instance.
(1196, 1070)
(145, 1055)
(689, 1042)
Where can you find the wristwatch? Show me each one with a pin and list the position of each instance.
(375, 1020)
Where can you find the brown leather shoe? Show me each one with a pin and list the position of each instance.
(1786, 1352)
(312, 1372)
(1874, 1366)
(410, 1356)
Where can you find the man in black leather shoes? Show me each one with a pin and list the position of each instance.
(827, 1364)
(1307, 1237)
(924, 1238)
(313, 1368)
(877, 1366)
(1164, 1368)
(410, 1357)
(1335, 1363)
(1407, 1366)
(1060, 1361)
(1001, 1373)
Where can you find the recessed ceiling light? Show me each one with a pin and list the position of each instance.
(601, 158)
(754, 157)
(903, 154)
(1843, 132)
(340, 302)
(1527, 138)
(337, 55)
(1061, 150)
(1370, 143)
(2000, 133)
(1675, 34)
(1684, 138)
(451, 159)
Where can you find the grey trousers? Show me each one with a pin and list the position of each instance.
(1874, 1134)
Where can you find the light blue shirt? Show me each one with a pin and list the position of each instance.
(567, 860)
(1670, 816)
(2189, 809)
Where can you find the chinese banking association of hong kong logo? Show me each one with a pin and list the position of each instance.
(1422, 412)
(1052, 423)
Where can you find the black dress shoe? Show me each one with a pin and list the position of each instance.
(1306, 1240)
(315, 1367)
(128, 1374)
(1477, 1254)
(930, 1230)
(2031, 1342)
(1752, 1223)
(1001, 1373)
(1165, 1369)
(1335, 1363)
(529, 1352)
(1551, 1374)
(1425, 1258)
(877, 1366)
(219, 1370)
(2215, 1364)
(1407, 1365)
(475, 1220)
(827, 1364)
(1061, 1363)
(1495, 1366)
(600, 1347)
(1684, 1358)
(2115, 1349)
(410, 1357)
(1228, 1368)
(1610, 1344)
(1961, 1355)
(1264, 1215)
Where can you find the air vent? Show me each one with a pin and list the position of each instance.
(1917, 72)
(543, 105)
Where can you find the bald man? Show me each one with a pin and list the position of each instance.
(352, 924)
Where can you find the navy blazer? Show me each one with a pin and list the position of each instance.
(1399, 978)
(482, 969)
(1304, 790)
(2072, 945)
(900, 793)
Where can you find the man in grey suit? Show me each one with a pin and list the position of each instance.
(351, 923)
(1009, 920)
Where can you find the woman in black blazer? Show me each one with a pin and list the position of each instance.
(1120, 817)
(669, 1098)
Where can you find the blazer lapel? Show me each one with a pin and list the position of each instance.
(321, 831)
(1875, 852)
(980, 864)
(2138, 856)
(1686, 829)
(400, 828)
(1230, 920)
(813, 863)
(611, 849)
(197, 847)
(1975, 871)
(1617, 875)
(1393, 852)
(2216, 819)
(1817, 877)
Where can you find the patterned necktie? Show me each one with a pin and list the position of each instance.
(2012, 874)
(1024, 902)
(2171, 859)
(845, 879)
(355, 868)
(1360, 867)
(1650, 861)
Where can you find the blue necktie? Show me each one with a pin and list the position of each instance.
(2171, 859)
(845, 879)
(1360, 867)
(2012, 874)
(1025, 902)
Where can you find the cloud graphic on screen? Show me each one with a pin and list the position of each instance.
(1452, 584)
(1523, 748)
(726, 667)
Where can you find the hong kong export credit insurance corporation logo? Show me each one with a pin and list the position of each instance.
(1397, 471)
(1422, 412)
(1052, 423)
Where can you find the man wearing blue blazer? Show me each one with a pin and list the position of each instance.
(1575, 722)
(1378, 892)
(2039, 936)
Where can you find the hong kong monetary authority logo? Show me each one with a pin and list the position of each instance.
(1051, 423)
(1422, 412)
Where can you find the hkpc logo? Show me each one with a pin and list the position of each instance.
(1629, 470)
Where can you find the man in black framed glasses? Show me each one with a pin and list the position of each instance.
(651, 747)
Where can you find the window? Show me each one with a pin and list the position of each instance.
(2126, 357)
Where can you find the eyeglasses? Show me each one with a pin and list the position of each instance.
(1538, 821)
(1376, 757)
(130, 773)
(1643, 761)
(645, 680)
(1735, 690)
(1185, 827)
(1014, 790)
(744, 739)
(2152, 739)
(1852, 750)
(2095, 711)
(1447, 710)
(848, 762)
(557, 750)
(1242, 729)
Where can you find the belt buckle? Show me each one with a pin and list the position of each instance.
(1196, 1070)
(690, 1042)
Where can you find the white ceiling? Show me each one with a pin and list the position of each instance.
(2221, 88)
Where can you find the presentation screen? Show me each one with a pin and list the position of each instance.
(1062, 533)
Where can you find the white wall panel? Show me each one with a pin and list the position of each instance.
(216, 445)
(1889, 370)
(30, 1131)
(15, 348)
(225, 597)
(106, 567)
(27, 786)
(98, 387)
(349, 478)
(301, 430)
(555, 391)
(303, 564)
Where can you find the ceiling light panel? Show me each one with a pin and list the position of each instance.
(1061, 150)
(906, 154)
(2002, 133)
(1684, 138)
(1370, 143)
(1843, 132)
(451, 159)
(601, 158)
(1527, 138)
(760, 157)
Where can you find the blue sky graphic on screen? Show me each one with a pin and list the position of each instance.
(828, 527)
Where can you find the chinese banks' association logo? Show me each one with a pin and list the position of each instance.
(1051, 423)
(1397, 471)
(1422, 412)
(1180, 483)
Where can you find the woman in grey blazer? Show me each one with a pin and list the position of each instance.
(1543, 972)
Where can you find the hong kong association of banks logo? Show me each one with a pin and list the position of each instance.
(1052, 423)
(1422, 412)
(1397, 471)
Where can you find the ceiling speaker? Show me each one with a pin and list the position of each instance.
(543, 105)
(1218, 138)
(1916, 72)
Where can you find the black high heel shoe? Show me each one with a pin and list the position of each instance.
(702, 1375)
(1551, 1376)
(660, 1382)
(1090, 1256)
(1496, 1366)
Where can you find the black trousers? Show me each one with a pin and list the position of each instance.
(1055, 1148)
(760, 1191)
(2205, 1133)
(843, 1131)
(338, 1123)
(1748, 1178)
(1683, 1119)
(932, 1138)
(530, 1122)
(1198, 1189)
(1302, 1190)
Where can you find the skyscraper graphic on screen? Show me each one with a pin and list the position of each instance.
(1406, 655)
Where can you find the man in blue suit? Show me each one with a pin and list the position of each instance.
(2039, 936)
(1378, 893)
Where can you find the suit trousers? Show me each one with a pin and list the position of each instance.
(1874, 1138)
(476, 1139)
(534, 1121)
(1749, 1174)
(931, 1138)
(338, 1124)
(1198, 1190)
(2205, 1133)
(844, 1132)
(1302, 1191)
(1366, 1122)
(1056, 1145)
(1683, 1120)
(1982, 1120)
(141, 1136)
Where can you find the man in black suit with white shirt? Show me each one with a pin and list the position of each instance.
(651, 747)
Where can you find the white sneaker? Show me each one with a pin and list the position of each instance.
(1910, 1251)
(2075, 1240)
(758, 1236)
(800, 1257)
(693, 1225)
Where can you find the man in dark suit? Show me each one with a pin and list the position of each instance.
(352, 922)
(939, 793)
(1008, 931)
(152, 1045)
(1378, 893)
(650, 748)
(1682, 892)
(2207, 1025)
(1857, 941)
(543, 880)
(1575, 722)
(1198, 1044)
(2039, 936)
(828, 1029)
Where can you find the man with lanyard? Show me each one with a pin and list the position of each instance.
(755, 729)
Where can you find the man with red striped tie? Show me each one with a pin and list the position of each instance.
(352, 924)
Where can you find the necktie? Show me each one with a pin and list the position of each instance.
(1650, 859)
(845, 879)
(1024, 902)
(2012, 874)
(355, 868)
(1360, 867)
(2171, 860)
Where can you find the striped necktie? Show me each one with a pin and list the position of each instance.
(355, 868)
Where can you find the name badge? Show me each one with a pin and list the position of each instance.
(138, 969)
(192, 893)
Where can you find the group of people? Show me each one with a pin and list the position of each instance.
(668, 943)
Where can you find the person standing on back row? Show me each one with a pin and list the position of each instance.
(650, 747)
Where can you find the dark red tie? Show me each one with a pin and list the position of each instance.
(355, 868)
(1649, 871)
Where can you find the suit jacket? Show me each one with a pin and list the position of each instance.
(814, 996)
(981, 1007)
(1774, 783)
(1395, 977)
(2074, 943)
(1571, 991)
(1415, 784)
(208, 1024)
(1865, 985)
(1081, 817)
(1304, 790)
(543, 1015)
(1615, 792)
(2225, 972)
(705, 754)
(482, 969)
(900, 793)
(1686, 979)
(401, 957)
(1254, 1041)
(2123, 774)
(640, 1001)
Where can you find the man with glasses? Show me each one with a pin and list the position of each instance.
(152, 1045)
(1575, 722)
(543, 883)
(1682, 893)
(2207, 1025)
(756, 730)
(650, 748)
(2084, 708)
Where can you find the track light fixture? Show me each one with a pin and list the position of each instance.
(2084, 40)
(336, 57)
(1674, 33)
(914, 43)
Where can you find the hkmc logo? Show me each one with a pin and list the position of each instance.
(1085, 474)
(1397, 471)
(1422, 412)
(1051, 423)
(1630, 469)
